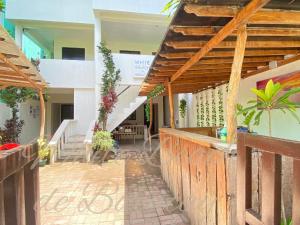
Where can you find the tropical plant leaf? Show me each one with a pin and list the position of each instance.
(269, 90)
(258, 118)
(288, 94)
(294, 114)
(249, 118)
(260, 93)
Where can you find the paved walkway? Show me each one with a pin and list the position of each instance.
(128, 190)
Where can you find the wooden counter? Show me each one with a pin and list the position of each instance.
(200, 171)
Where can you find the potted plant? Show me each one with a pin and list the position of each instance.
(267, 100)
(44, 152)
(182, 108)
(103, 144)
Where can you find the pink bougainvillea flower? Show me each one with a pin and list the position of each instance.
(9, 146)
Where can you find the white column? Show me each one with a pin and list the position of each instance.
(18, 35)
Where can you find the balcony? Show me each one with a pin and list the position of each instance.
(68, 73)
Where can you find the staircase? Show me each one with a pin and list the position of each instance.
(74, 148)
(128, 102)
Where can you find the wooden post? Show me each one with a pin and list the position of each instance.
(234, 84)
(151, 118)
(43, 114)
(171, 105)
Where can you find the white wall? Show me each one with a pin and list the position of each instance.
(283, 125)
(135, 6)
(75, 11)
(68, 73)
(84, 108)
(5, 113)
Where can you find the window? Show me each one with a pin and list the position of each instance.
(73, 53)
(130, 52)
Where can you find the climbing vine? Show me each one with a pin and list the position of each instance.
(198, 112)
(202, 110)
(214, 111)
(159, 89)
(207, 110)
(110, 78)
(182, 108)
(221, 106)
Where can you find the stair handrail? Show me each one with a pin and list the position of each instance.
(88, 140)
(59, 138)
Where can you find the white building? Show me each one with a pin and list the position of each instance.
(69, 32)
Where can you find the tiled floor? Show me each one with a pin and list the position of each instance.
(127, 190)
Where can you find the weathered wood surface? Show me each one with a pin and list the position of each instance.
(274, 167)
(19, 186)
(197, 174)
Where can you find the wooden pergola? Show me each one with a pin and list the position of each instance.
(210, 43)
(17, 71)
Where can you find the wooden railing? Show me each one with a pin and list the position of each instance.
(88, 140)
(19, 186)
(272, 150)
(56, 144)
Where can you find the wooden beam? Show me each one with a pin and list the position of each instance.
(239, 20)
(263, 16)
(43, 114)
(223, 54)
(231, 44)
(251, 31)
(234, 84)
(17, 70)
(259, 59)
(16, 84)
(171, 105)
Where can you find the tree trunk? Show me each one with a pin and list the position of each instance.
(270, 123)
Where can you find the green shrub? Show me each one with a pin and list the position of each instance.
(44, 150)
(103, 141)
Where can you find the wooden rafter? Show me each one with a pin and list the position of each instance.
(265, 16)
(252, 31)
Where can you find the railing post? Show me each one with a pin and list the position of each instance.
(244, 179)
(296, 192)
(88, 149)
(32, 197)
(14, 199)
(271, 188)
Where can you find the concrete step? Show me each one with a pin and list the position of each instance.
(76, 145)
(76, 139)
(68, 153)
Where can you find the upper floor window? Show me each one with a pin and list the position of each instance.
(73, 53)
(130, 52)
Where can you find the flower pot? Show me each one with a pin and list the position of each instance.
(42, 162)
(103, 156)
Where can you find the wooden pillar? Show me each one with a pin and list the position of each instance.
(42, 114)
(151, 117)
(171, 105)
(234, 83)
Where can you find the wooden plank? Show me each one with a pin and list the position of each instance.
(252, 31)
(186, 175)
(171, 105)
(221, 188)
(14, 199)
(239, 20)
(296, 192)
(231, 44)
(244, 180)
(263, 16)
(234, 84)
(223, 54)
(2, 213)
(252, 217)
(211, 199)
(271, 188)
(261, 59)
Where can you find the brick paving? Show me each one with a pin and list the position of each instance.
(128, 190)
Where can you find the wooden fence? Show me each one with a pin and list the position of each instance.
(19, 186)
(272, 150)
(198, 175)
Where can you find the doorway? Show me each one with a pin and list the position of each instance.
(66, 112)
